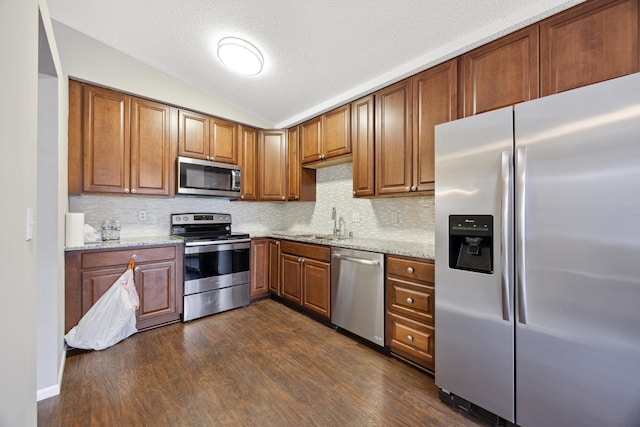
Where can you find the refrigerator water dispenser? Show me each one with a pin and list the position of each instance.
(471, 243)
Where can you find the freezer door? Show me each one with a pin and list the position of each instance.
(578, 328)
(474, 311)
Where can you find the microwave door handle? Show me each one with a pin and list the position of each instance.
(235, 175)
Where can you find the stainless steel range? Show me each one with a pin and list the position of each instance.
(216, 263)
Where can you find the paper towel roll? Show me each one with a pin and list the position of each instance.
(74, 232)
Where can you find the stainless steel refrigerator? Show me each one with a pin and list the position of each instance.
(537, 309)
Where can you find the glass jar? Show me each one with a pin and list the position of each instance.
(110, 230)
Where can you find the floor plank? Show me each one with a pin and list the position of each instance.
(263, 365)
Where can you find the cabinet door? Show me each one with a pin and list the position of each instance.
(259, 268)
(336, 132)
(249, 163)
(193, 135)
(95, 283)
(74, 151)
(592, 42)
(272, 154)
(150, 148)
(434, 102)
(316, 291)
(311, 140)
(223, 143)
(106, 142)
(274, 266)
(393, 138)
(293, 164)
(362, 125)
(156, 285)
(501, 73)
(291, 278)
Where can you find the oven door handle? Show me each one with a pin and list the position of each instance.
(219, 242)
(202, 247)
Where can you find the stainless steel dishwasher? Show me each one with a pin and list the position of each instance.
(357, 293)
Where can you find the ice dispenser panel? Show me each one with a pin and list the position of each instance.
(471, 243)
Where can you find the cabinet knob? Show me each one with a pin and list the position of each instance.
(136, 269)
(354, 193)
(320, 156)
(407, 189)
(409, 269)
(126, 190)
(133, 190)
(299, 259)
(284, 198)
(409, 300)
(414, 188)
(208, 158)
(134, 256)
(410, 338)
(277, 243)
(302, 260)
(297, 197)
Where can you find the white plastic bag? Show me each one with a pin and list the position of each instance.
(111, 319)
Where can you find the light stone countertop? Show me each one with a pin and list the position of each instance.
(127, 243)
(414, 249)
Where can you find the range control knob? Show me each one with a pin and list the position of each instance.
(177, 219)
(184, 218)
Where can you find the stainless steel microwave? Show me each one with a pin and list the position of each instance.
(206, 178)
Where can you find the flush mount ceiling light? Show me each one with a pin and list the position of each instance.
(240, 55)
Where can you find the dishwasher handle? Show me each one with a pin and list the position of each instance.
(356, 260)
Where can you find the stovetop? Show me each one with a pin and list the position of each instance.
(203, 227)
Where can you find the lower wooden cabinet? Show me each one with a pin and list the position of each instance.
(157, 275)
(410, 331)
(305, 276)
(259, 266)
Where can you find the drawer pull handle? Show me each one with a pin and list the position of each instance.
(409, 269)
(410, 338)
(409, 300)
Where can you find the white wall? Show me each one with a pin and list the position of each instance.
(90, 60)
(18, 118)
(52, 203)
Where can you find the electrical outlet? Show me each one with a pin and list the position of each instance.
(394, 217)
(355, 217)
(142, 215)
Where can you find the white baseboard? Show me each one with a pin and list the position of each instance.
(53, 390)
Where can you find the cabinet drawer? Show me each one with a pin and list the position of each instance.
(410, 268)
(122, 256)
(411, 299)
(321, 253)
(412, 340)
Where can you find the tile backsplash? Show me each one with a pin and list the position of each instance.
(405, 218)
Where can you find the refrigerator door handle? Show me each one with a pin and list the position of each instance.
(505, 179)
(521, 164)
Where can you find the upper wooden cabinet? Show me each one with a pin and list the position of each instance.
(393, 138)
(435, 101)
(119, 143)
(362, 138)
(208, 138)
(592, 42)
(501, 73)
(248, 163)
(327, 137)
(272, 165)
(301, 181)
(223, 141)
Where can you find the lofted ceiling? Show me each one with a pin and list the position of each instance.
(318, 53)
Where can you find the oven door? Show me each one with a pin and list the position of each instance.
(216, 265)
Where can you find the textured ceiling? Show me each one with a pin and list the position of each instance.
(318, 53)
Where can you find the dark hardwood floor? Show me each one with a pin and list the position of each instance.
(263, 365)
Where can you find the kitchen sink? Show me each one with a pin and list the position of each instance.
(321, 236)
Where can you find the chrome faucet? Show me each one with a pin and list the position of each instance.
(334, 217)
